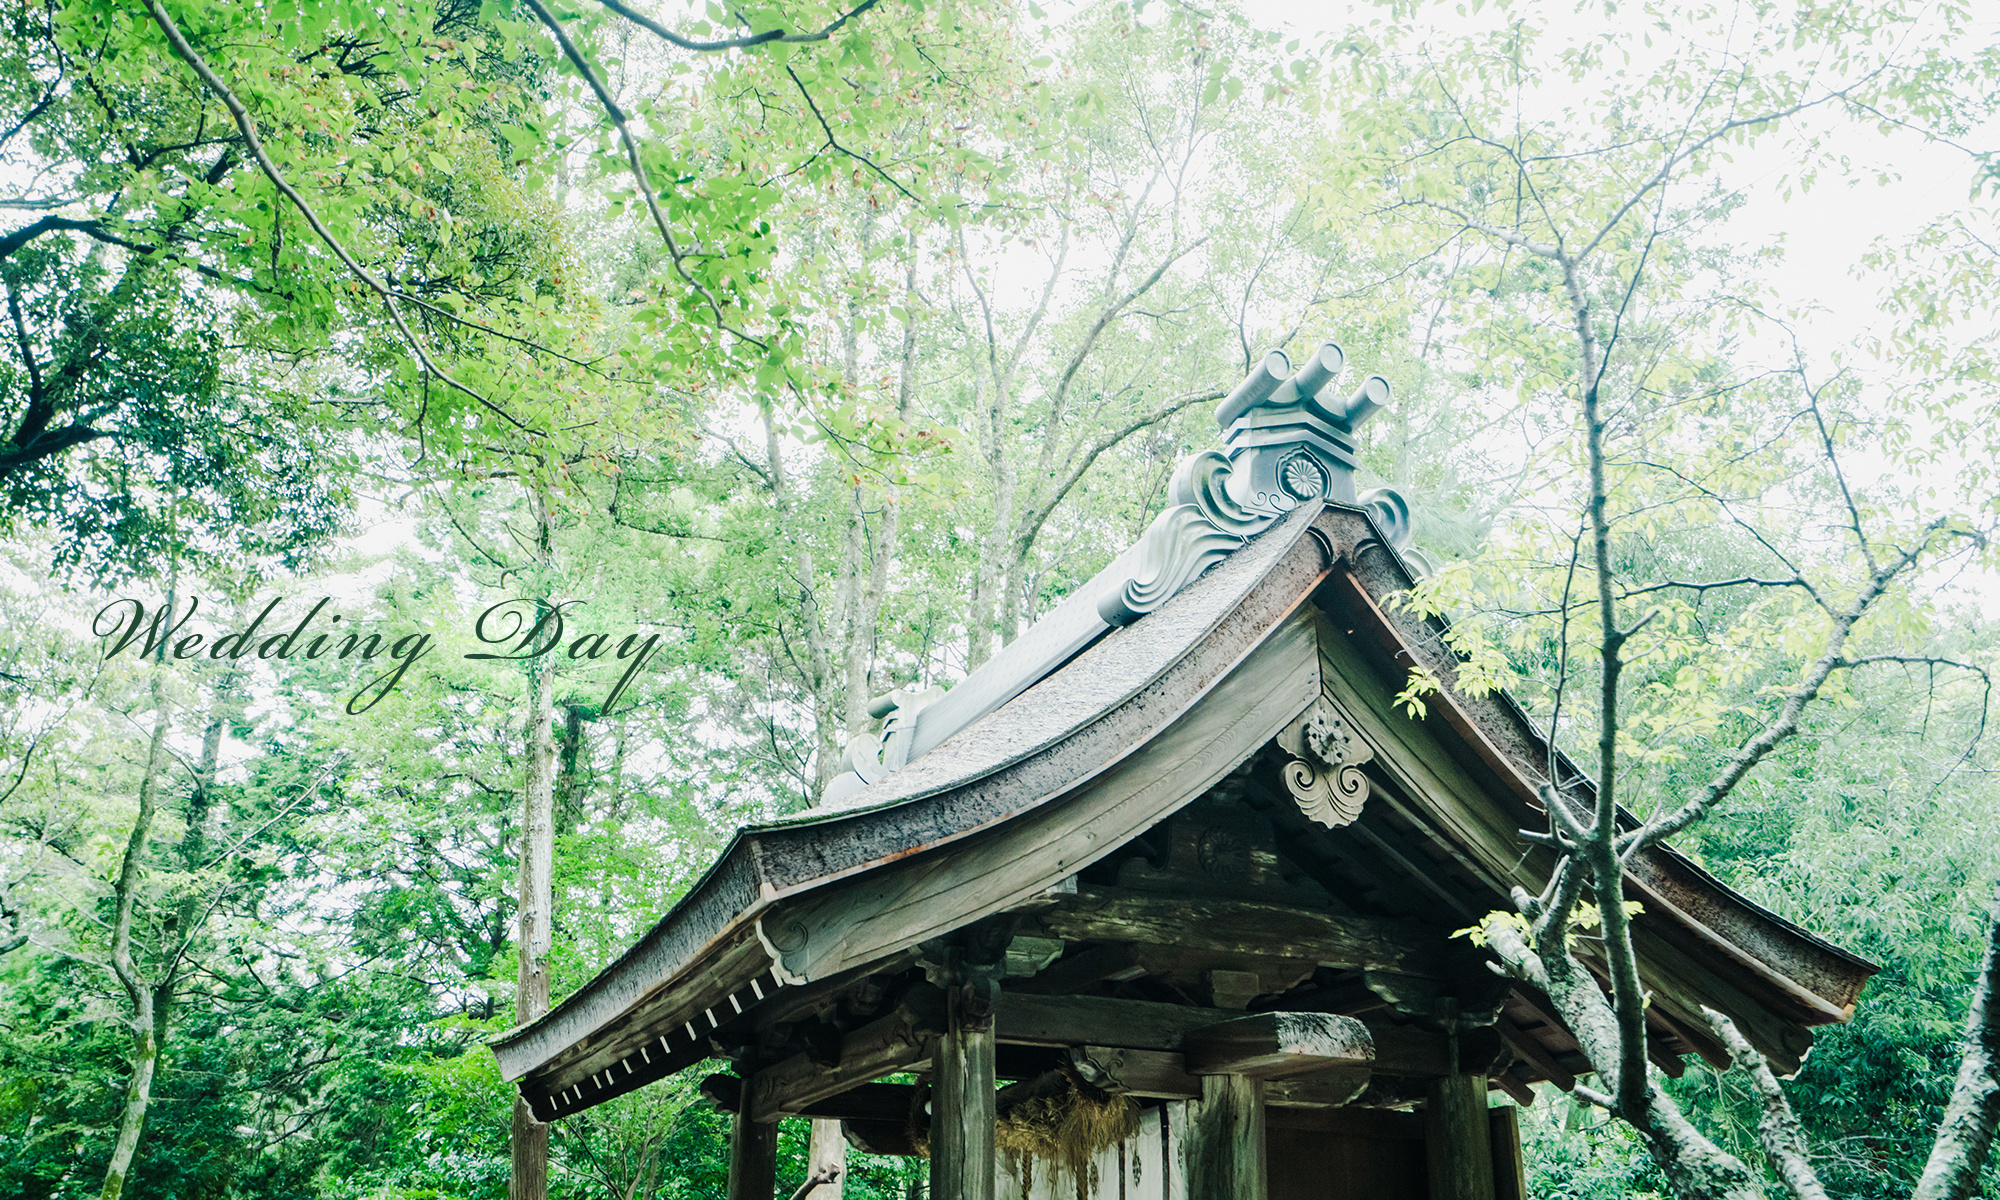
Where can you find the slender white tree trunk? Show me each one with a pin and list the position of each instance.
(145, 1034)
(536, 898)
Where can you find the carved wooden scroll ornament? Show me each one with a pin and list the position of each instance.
(1324, 775)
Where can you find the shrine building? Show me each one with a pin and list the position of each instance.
(1168, 888)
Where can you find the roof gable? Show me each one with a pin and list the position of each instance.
(1006, 816)
(1263, 674)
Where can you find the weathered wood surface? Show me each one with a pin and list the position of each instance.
(1080, 971)
(897, 1042)
(1274, 1044)
(1163, 1075)
(868, 1102)
(1682, 987)
(753, 1156)
(1651, 887)
(1514, 1086)
(1345, 1154)
(1145, 1166)
(927, 896)
(1332, 1087)
(1458, 1142)
(1247, 927)
(1145, 1025)
(1094, 1020)
(963, 1163)
(881, 1137)
(1510, 1168)
(1225, 1151)
(1144, 1074)
(1485, 835)
(1156, 1074)
(1529, 1049)
(629, 1054)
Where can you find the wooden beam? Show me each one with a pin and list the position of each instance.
(1095, 1020)
(1274, 1044)
(753, 1154)
(870, 1102)
(1514, 1086)
(1458, 1142)
(1146, 1025)
(897, 1042)
(1249, 927)
(1083, 969)
(1163, 1075)
(1334, 1087)
(1529, 1049)
(805, 1001)
(1154, 1074)
(1225, 1141)
(880, 1137)
(1701, 1041)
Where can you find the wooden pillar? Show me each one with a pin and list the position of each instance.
(1225, 1140)
(1510, 1170)
(963, 1162)
(1458, 1143)
(753, 1153)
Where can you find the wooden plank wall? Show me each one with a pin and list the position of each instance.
(1151, 1165)
(1316, 1154)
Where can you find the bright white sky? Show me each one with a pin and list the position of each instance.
(1826, 231)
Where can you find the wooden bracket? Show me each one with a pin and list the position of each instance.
(1276, 1044)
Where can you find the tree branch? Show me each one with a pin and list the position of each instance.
(736, 43)
(255, 145)
(633, 162)
(1031, 524)
(1778, 1128)
(1757, 748)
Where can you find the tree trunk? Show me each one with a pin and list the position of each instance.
(827, 713)
(1012, 584)
(826, 1160)
(570, 784)
(536, 897)
(145, 1033)
(989, 584)
(138, 1095)
(888, 529)
(1965, 1135)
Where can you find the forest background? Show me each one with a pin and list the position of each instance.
(832, 346)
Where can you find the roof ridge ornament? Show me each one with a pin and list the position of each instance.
(1288, 438)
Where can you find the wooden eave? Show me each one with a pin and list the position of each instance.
(1072, 727)
(772, 926)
